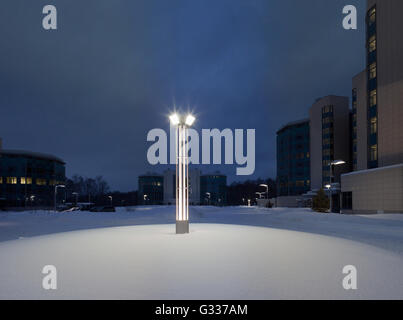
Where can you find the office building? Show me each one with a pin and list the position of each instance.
(213, 189)
(151, 189)
(376, 185)
(293, 159)
(329, 139)
(29, 178)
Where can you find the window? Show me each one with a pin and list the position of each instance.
(327, 109)
(374, 125)
(372, 71)
(372, 44)
(29, 180)
(372, 16)
(11, 180)
(374, 152)
(22, 180)
(299, 183)
(372, 98)
(41, 182)
(1, 180)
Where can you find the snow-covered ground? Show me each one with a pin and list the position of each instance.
(231, 253)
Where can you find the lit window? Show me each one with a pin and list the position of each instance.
(374, 153)
(372, 98)
(11, 180)
(372, 16)
(372, 71)
(1, 180)
(52, 182)
(22, 180)
(41, 182)
(374, 125)
(372, 44)
(29, 180)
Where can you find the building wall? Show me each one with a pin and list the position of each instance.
(151, 189)
(340, 149)
(216, 185)
(374, 191)
(389, 30)
(361, 146)
(293, 159)
(29, 178)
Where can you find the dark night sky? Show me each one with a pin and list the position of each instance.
(90, 91)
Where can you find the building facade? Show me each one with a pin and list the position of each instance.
(151, 189)
(29, 178)
(376, 183)
(213, 189)
(329, 139)
(293, 159)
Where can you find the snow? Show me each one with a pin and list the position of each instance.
(231, 253)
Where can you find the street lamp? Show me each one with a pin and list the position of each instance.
(110, 198)
(208, 194)
(182, 170)
(267, 189)
(259, 194)
(332, 164)
(58, 186)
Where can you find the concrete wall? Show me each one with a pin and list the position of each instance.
(376, 190)
(390, 80)
(287, 202)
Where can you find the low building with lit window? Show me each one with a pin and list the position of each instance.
(151, 189)
(213, 189)
(29, 178)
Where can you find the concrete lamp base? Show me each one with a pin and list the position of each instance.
(182, 227)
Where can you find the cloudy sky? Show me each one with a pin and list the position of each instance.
(90, 91)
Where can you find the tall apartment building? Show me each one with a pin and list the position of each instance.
(293, 159)
(329, 139)
(376, 184)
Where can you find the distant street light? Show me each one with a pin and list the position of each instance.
(110, 198)
(267, 189)
(332, 164)
(182, 170)
(260, 194)
(58, 186)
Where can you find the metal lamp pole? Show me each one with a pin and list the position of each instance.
(57, 186)
(182, 171)
(332, 164)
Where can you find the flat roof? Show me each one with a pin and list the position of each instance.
(293, 123)
(30, 154)
(374, 169)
